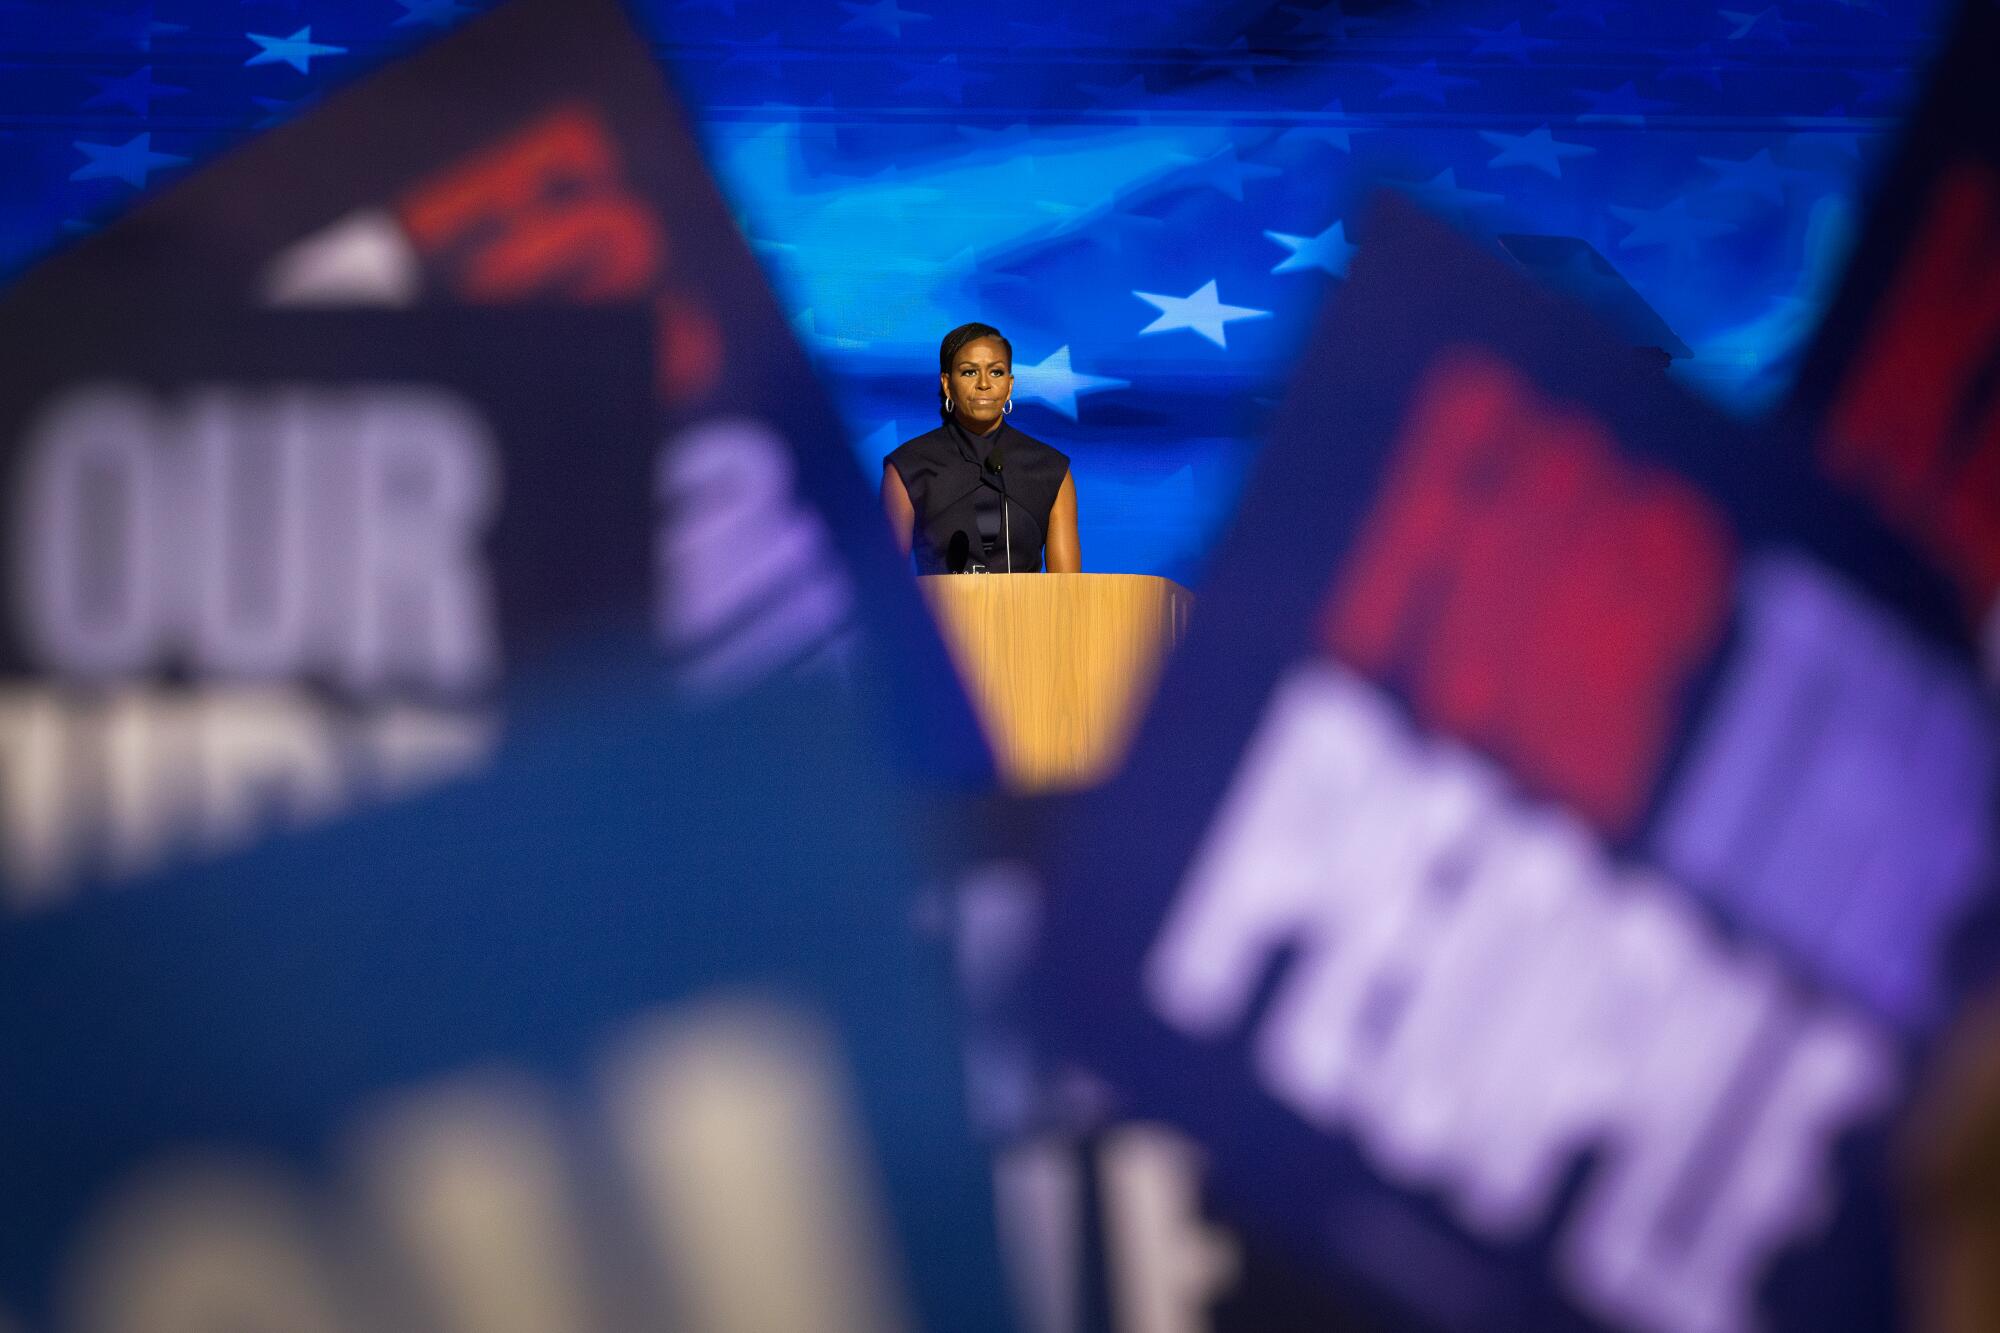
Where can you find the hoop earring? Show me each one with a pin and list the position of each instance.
(1006, 407)
(948, 408)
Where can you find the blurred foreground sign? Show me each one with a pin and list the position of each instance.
(529, 160)
(1899, 389)
(534, 156)
(595, 1040)
(1561, 825)
(267, 565)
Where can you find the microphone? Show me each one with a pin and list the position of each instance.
(996, 459)
(956, 552)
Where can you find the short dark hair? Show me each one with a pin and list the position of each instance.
(957, 338)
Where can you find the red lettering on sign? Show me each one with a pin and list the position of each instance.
(690, 349)
(544, 213)
(1910, 429)
(1534, 593)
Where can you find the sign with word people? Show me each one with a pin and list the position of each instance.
(1563, 832)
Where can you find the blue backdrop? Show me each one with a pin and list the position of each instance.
(1152, 199)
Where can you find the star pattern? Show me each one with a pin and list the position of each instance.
(135, 91)
(1328, 251)
(1238, 61)
(1051, 380)
(945, 79)
(132, 161)
(1767, 24)
(1620, 106)
(1201, 311)
(1538, 149)
(883, 16)
(1759, 175)
(298, 50)
(1424, 81)
(1225, 171)
(1670, 226)
(905, 171)
(276, 111)
(136, 28)
(1333, 126)
(1878, 85)
(1442, 193)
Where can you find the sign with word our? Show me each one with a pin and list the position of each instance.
(1564, 826)
(258, 572)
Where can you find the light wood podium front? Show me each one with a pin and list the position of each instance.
(1058, 664)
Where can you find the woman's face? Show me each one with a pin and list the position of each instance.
(979, 383)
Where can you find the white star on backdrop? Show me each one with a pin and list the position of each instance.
(131, 161)
(1670, 226)
(1329, 250)
(1620, 106)
(1338, 128)
(885, 16)
(1201, 311)
(1758, 174)
(1053, 382)
(1227, 172)
(297, 50)
(1444, 194)
(1425, 81)
(1538, 148)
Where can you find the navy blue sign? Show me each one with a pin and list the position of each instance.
(1560, 826)
(633, 1030)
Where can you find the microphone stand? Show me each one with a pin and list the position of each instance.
(997, 462)
(1007, 523)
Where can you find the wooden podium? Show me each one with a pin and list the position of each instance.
(1058, 665)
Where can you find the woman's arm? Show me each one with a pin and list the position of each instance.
(1064, 555)
(902, 514)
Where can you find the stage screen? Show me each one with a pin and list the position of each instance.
(1151, 201)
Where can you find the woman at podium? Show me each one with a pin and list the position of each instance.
(976, 494)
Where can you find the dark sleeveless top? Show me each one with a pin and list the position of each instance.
(952, 491)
